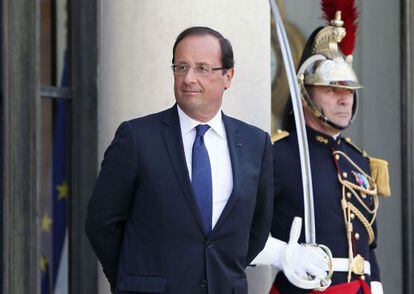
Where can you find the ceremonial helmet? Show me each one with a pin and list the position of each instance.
(323, 63)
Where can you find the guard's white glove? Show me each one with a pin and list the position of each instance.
(305, 266)
(270, 255)
(304, 260)
(376, 288)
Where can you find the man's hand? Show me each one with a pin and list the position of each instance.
(305, 266)
(307, 260)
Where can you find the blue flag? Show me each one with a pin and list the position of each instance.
(60, 187)
(45, 283)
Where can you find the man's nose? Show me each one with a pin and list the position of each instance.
(345, 98)
(190, 76)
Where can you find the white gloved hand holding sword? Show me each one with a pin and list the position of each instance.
(306, 266)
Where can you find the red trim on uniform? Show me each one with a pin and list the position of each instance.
(347, 288)
(344, 288)
(274, 290)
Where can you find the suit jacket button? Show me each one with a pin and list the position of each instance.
(209, 244)
(203, 284)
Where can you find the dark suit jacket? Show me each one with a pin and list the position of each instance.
(143, 221)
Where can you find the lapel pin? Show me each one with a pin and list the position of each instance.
(239, 144)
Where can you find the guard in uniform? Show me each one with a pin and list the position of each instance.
(346, 180)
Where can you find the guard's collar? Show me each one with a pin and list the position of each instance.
(321, 138)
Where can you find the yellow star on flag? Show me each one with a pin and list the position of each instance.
(63, 190)
(46, 223)
(43, 263)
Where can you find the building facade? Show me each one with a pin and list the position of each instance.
(116, 57)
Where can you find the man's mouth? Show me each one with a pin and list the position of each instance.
(343, 114)
(190, 91)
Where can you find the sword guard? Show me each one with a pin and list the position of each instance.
(317, 283)
(328, 255)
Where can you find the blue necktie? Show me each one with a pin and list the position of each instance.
(201, 177)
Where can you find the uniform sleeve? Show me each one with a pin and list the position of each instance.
(375, 271)
(109, 206)
(262, 217)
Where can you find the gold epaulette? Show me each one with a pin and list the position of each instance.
(278, 135)
(380, 174)
(379, 171)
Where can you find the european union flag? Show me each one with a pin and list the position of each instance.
(45, 276)
(60, 188)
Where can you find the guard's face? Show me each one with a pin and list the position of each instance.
(336, 104)
(200, 96)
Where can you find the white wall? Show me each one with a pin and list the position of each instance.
(135, 51)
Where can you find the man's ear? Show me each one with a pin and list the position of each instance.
(228, 76)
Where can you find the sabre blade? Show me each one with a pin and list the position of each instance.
(309, 212)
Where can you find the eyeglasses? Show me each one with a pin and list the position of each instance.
(199, 69)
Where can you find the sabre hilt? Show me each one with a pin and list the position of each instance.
(319, 252)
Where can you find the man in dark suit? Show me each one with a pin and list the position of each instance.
(183, 201)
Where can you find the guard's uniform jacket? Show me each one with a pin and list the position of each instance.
(339, 171)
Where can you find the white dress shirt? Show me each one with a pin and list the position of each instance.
(215, 140)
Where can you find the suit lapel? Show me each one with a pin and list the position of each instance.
(173, 141)
(235, 144)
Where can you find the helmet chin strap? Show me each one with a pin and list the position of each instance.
(325, 119)
(308, 101)
(318, 113)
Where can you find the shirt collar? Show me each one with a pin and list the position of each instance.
(187, 123)
(336, 136)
